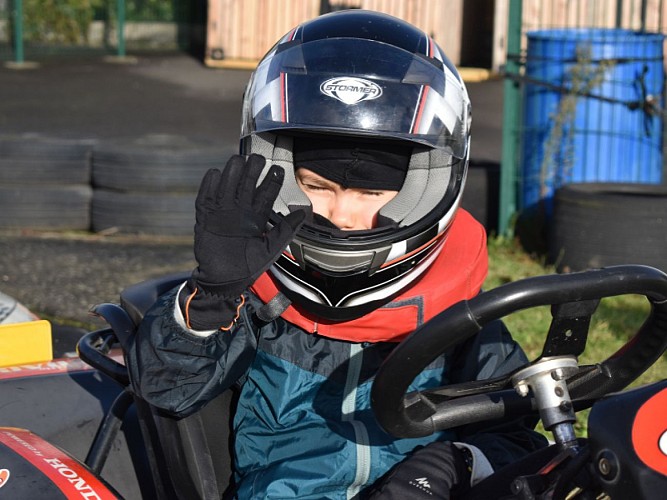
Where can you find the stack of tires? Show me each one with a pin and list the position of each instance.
(45, 183)
(604, 224)
(149, 185)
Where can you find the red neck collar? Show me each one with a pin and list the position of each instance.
(456, 274)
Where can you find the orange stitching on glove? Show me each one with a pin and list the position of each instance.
(187, 308)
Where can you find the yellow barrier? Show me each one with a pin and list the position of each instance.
(22, 343)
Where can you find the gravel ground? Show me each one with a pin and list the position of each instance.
(61, 277)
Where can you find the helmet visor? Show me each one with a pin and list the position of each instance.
(358, 87)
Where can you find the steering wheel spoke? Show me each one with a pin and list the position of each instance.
(569, 328)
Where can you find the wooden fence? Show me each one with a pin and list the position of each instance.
(240, 32)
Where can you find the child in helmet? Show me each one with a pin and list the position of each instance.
(336, 234)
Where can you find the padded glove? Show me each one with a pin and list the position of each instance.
(232, 245)
(438, 470)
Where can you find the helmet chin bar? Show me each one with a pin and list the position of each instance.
(343, 298)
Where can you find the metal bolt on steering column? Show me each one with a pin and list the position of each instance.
(522, 388)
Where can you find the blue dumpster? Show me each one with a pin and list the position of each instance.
(613, 133)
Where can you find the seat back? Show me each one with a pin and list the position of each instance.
(191, 456)
(138, 298)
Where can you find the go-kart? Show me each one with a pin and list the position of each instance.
(91, 437)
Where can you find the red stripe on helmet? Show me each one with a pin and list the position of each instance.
(420, 109)
(283, 98)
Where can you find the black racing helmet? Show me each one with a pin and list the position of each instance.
(362, 76)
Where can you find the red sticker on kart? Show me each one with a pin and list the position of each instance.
(649, 432)
(54, 367)
(73, 479)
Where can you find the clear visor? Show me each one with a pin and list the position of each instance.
(358, 87)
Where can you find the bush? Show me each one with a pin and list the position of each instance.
(68, 21)
(59, 21)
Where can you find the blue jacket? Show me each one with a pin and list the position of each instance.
(304, 427)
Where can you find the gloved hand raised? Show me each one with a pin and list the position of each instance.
(232, 244)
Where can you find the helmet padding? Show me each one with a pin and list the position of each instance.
(277, 149)
(425, 183)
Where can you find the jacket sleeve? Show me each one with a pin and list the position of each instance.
(178, 371)
(493, 353)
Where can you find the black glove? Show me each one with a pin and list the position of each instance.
(232, 244)
(436, 471)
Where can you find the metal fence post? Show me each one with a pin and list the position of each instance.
(511, 104)
(18, 31)
(120, 13)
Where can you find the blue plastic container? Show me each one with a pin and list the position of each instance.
(590, 139)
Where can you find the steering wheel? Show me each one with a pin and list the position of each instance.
(573, 298)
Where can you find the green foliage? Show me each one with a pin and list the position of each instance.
(150, 10)
(68, 21)
(60, 21)
(142, 10)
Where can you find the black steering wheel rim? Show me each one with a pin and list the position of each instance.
(417, 414)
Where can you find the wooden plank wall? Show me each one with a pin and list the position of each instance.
(543, 14)
(548, 14)
(240, 32)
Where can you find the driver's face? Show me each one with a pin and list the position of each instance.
(348, 208)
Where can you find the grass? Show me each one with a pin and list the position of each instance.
(614, 322)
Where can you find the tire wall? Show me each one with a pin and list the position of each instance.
(605, 224)
(149, 185)
(45, 184)
(145, 185)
